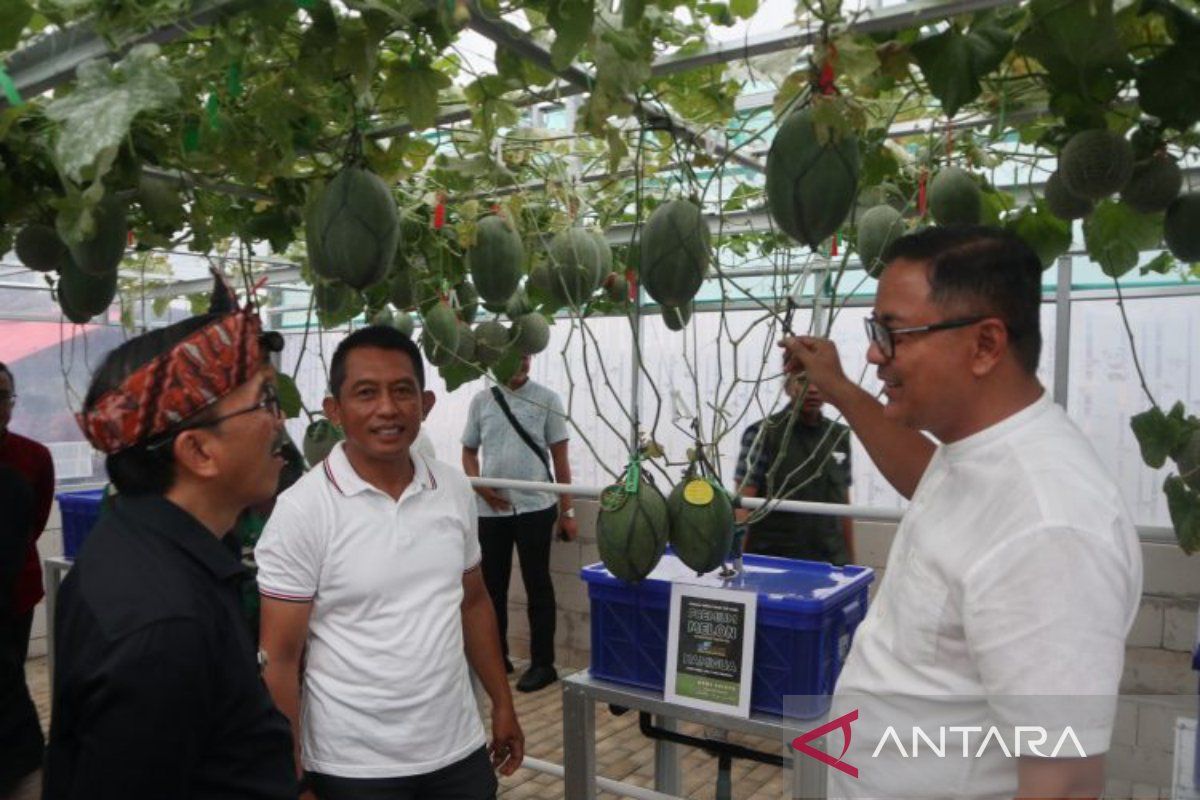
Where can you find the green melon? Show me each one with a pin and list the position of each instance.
(518, 305)
(82, 296)
(1187, 459)
(539, 278)
(491, 340)
(320, 438)
(701, 523)
(530, 334)
(161, 204)
(102, 252)
(1062, 203)
(883, 194)
(677, 318)
(496, 259)
(357, 228)
(955, 198)
(878, 228)
(468, 301)
(616, 287)
(383, 318)
(39, 248)
(578, 260)
(632, 530)
(1095, 163)
(336, 303)
(402, 289)
(811, 184)
(437, 354)
(606, 253)
(466, 342)
(441, 326)
(1181, 227)
(1154, 185)
(675, 252)
(403, 322)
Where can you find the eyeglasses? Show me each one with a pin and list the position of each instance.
(7, 399)
(269, 402)
(882, 335)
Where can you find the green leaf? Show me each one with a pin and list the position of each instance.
(1168, 86)
(416, 87)
(1184, 507)
(743, 9)
(1115, 234)
(953, 63)
(507, 366)
(457, 373)
(14, 16)
(572, 24)
(289, 395)
(95, 117)
(1158, 434)
(1078, 43)
(1162, 264)
(1049, 236)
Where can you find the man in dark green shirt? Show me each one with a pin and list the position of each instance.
(797, 454)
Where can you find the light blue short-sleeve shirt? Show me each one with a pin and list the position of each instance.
(503, 454)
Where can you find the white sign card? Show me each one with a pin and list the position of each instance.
(710, 648)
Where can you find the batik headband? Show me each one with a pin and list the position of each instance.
(170, 388)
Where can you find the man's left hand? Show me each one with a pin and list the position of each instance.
(568, 528)
(508, 743)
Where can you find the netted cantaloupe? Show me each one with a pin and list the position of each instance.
(675, 252)
(320, 438)
(578, 260)
(955, 198)
(812, 178)
(82, 296)
(539, 279)
(468, 301)
(1095, 163)
(466, 342)
(496, 259)
(1154, 185)
(441, 326)
(632, 530)
(701, 523)
(877, 229)
(616, 287)
(403, 322)
(530, 334)
(1062, 203)
(1181, 227)
(101, 252)
(357, 228)
(491, 340)
(40, 248)
(161, 203)
(676, 319)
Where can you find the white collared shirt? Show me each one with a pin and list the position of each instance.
(386, 688)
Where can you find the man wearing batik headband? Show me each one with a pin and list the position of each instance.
(157, 691)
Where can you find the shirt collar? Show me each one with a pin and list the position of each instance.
(348, 482)
(172, 524)
(982, 439)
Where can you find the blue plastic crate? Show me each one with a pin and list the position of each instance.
(80, 511)
(807, 614)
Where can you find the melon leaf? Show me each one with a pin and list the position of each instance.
(1158, 434)
(1115, 234)
(1184, 507)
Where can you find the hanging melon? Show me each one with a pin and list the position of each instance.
(466, 342)
(675, 252)
(578, 261)
(496, 259)
(878, 228)
(676, 319)
(100, 253)
(530, 334)
(39, 248)
(955, 198)
(357, 228)
(701, 523)
(468, 301)
(1181, 227)
(82, 296)
(491, 340)
(1062, 203)
(161, 204)
(632, 529)
(1154, 185)
(812, 178)
(518, 305)
(1095, 163)
(403, 322)
(441, 326)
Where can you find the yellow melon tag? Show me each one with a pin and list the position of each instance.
(698, 492)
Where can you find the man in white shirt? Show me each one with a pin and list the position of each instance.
(370, 563)
(1016, 573)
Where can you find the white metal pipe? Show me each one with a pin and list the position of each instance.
(607, 784)
(794, 506)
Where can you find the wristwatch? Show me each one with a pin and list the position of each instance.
(569, 513)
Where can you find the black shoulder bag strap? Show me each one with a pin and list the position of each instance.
(524, 434)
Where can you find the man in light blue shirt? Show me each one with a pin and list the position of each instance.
(522, 429)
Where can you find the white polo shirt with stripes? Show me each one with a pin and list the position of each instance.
(386, 688)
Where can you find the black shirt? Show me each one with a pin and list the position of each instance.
(157, 694)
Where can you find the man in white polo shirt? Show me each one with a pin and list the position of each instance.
(1016, 572)
(370, 563)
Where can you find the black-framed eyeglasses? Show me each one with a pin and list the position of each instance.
(883, 336)
(269, 402)
(7, 399)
